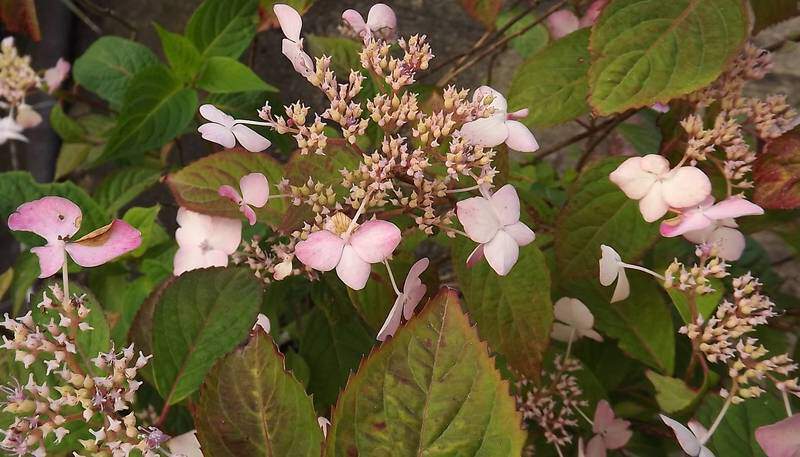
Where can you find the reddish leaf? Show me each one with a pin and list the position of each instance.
(777, 173)
(485, 11)
(19, 16)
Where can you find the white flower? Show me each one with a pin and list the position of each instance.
(10, 130)
(574, 321)
(691, 439)
(501, 126)
(204, 241)
(407, 300)
(225, 131)
(613, 269)
(292, 45)
(262, 322)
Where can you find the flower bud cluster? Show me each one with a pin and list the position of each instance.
(17, 76)
(272, 264)
(396, 72)
(553, 405)
(101, 396)
(343, 109)
(697, 279)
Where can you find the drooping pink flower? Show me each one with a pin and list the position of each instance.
(350, 253)
(292, 46)
(204, 241)
(255, 192)
(500, 127)
(493, 221)
(224, 131)
(10, 130)
(381, 22)
(650, 180)
(54, 77)
(781, 439)
(573, 321)
(610, 432)
(27, 117)
(563, 22)
(691, 438)
(407, 301)
(722, 235)
(57, 219)
(706, 213)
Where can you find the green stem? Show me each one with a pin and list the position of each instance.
(718, 420)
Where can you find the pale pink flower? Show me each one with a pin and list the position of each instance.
(610, 431)
(650, 180)
(10, 130)
(722, 234)
(573, 321)
(563, 22)
(54, 77)
(781, 439)
(185, 445)
(204, 241)
(324, 424)
(407, 301)
(691, 439)
(56, 219)
(500, 127)
(493, 221)
(255, 192)
(27, 117)
(381, 22)
(350, 253)
(292, 46)
(224, 131)
(706, 213)
(613, 269)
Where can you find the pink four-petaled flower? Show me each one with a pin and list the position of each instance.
(57, 219)
(255, 192)
(610, 431)
(500, 127)
(381, 22)
(204, 241)
(224, 131)
(407, 301)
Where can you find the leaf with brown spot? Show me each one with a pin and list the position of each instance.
(777, 173)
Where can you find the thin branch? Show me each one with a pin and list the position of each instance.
(595, 142)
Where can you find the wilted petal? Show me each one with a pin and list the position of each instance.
(660, 107)
(230, 193)
(562, 23)
(217, 133)
(104, 244)
(262, 322)
(290, 21)
(51, 258)
(505, 203)
(321, 251)
(653, 206)
(733, 207)
(487, 132)
(686, 222)
(375, 240)
(501, 253)
(52, 218)
(392, 320)
(521, 233)
(520, 138)
(623, 289)
(382, 21)
(225, 234)
(632, 179)
(688, 441)
(249, 139)
(352, 269)
(215, 115)
(781, 439)
(478, 217)
(609, 265)
(255, 189)
(687, 186)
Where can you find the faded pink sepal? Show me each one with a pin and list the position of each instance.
(290, 21)
(51, 258)
(352, 269)
(505, 203)
(382, 21)
(52, 218)
(214, 114)
(230, 193)
(692, 220)
(54, 77)
(392, 322)
(255, 189)
(104, 244)
(781, 439)
(501, 252)
(217, 133)
(356, 21)
(562, 23)
(520, 138)
(414, 289)
(321, 251)
(249, 213)
(375, 240)
(301, 62)
(249, 139)
(733, 207)
(478, 219)
(615, 432)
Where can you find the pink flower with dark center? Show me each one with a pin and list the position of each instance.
(255, 192)
(224, 130)
(204, 241)
(292, 46)
(54, 77)
(349, 250)
(381, 22)
(407, 300)
(501, 126)
(706, 213)
(57, 219)
(493, 221)
(781, 439)
(610, 431)
(658, 188)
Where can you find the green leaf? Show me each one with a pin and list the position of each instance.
(735, 435)
(141, 329)
(26, 271)
(644, 134)
(195, 186)
(157, 108)
(200, 316)
(108, 66)
(249, 405)
(484, 11)
(333, 341)
(222, 75)
(531, 41)
(552, 83)
(776, 173)
(706, 303)
(182, 55)
(67, 128)
(146, 221)
(71, 157)
(121, 296)
(641, 324)
(344, 52)
(513, 313)
(597, 212)
(123, 185)
(770, 12)
(431, 390)
(646, 51)
(223, 27)
(672, 395)
(6, 279)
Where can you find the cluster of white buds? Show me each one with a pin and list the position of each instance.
(272, 264)
(397, 72)
(697, 279)
(100, 391)
(553, 405)
(17, 77)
